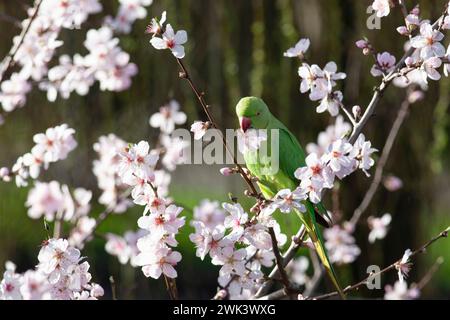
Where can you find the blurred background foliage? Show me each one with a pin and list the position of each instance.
(236, 49)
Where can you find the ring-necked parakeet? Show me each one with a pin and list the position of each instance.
(254, 113)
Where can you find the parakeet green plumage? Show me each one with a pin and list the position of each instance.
(254, 113)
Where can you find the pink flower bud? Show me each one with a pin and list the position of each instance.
(415, 96)
(356, 110)
(226, 171)
(403, 31)
(392, 183)
(362, 44)
(4, 172)
(409, 61)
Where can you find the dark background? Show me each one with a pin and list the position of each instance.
(236, 49)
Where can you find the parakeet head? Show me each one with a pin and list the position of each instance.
(252, 113)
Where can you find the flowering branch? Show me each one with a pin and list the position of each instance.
(357, 129)
(401, 115)
(8, 61)
(422, 249)
(280, 294)
(290, 253)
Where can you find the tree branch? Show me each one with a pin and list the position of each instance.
(279, 294)
(401, 116)
(279, 261)
(357, 129)
(8, 61)
(290, 253)
(422, 249)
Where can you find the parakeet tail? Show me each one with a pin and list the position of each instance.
(309, 220)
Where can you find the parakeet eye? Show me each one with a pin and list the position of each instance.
(258, 113)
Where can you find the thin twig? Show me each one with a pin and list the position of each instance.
(279, 261)
(403, 9)
(290, 253)
(422, 249)
(401, 116)
(8, 61)
(112, 282)
(429, 275)
(279, 294)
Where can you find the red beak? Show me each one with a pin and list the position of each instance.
(245, 123)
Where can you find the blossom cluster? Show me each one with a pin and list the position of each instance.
(105, 62)
(160, 219)
(318, 82)
(429, 54)
(239, 244)
(54, 201)
(52, 146)
(39, 44)
(338, 160)
(60, 275)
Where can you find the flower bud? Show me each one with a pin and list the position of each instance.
(403, 31)
(392, 183)
(356, 110)
(415, 96)
(4, 173)
(362, 44)
(226, 171)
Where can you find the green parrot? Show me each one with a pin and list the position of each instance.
(254, 113)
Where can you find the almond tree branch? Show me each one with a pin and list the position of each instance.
(401, 116)
(279, 294)
(429, 275)
(8, 61)
(290, 253)
(279, 261)
(422, 249)
(403, 8)
(379, 91)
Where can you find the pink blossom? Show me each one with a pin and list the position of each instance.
(385, 64)
(382, 7)
(298, 50)
(161, 261)
(171, 40)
